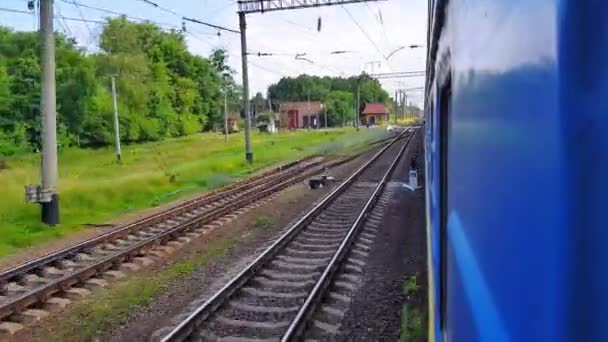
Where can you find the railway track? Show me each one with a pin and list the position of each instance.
(46, 282)
(277, 295)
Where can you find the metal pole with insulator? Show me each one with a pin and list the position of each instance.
(395, 108)
(49, 195)
(357, 115)
(246, 101)
(116, 122)
(225, 114)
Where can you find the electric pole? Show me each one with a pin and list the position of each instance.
(225, 115)
(262, 6)
(325, 113)
(405, 105)
(395, 111)
(246, 101)
(116, 122)
(357, 116)
(49, 195)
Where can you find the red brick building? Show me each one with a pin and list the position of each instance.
(306, 114)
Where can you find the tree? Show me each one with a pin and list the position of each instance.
(305, 87)
(338, 93)
(340, 106)
(163, 89)
(258, 103)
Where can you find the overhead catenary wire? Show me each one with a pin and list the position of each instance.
(108, 11)
(237, 56)
(12, 10)
(165, 26)
(82, 17)
(366, 35)
(183, 17)
(380, 21)
(61, 21)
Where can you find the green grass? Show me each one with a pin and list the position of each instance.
(98, 314)
(263, 222)
(94, 188)
(413, 326)
(410, 286)
(404, 121)
(413, 317)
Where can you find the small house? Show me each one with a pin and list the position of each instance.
(306, 114)
(374, 114)
(233, 123)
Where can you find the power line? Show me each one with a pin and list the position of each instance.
(264, 54)
(402, 74)
(161, 25)
(104, 10)
(168, 10)
(366, 35)
(235, 56)
(12, 10)
(183, 17)
(62, 22)
(261, 6)
(210, 25)
(82, 17)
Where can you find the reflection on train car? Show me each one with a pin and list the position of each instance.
(516, 153)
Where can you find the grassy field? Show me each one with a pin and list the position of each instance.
(94, 188)
(403, 121)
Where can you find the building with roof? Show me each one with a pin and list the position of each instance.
(232, 121)
(374, 114)
(306, 114)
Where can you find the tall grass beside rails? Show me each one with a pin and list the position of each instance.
(404, 121)
(94, 188)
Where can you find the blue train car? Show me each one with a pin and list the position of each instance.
(517, 170)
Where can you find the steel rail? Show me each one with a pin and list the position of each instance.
(298, 324)
(285, 172)
(64, 282)
(210, 197)
(187, 326)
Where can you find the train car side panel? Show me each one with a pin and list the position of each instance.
(506, 199)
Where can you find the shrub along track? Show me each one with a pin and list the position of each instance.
(277, 294)
(28, 291)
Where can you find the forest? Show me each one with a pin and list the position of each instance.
(338, 93)
(163, 90)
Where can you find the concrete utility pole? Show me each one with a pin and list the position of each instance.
(262, 6)
(357, 116)
(405, 105)
(395, 107)
(49, 195)
(325, 113)
(246, 101)
(225, 115)
(116, 122)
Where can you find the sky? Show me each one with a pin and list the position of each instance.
(369, 31)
